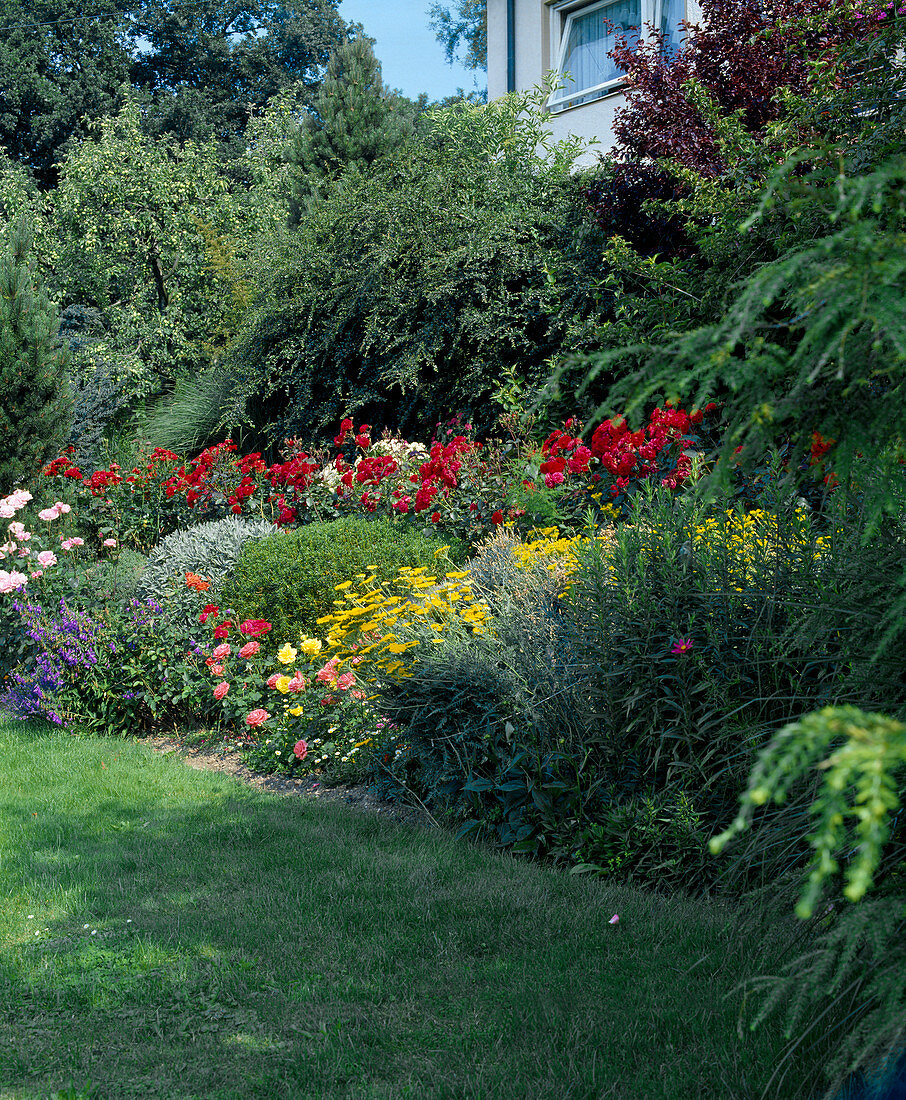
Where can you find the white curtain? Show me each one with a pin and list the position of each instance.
(592, 36)
(674, 12)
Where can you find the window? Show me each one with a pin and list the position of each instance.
(583, 34)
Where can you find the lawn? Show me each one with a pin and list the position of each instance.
(170, 933)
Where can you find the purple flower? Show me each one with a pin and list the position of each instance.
(680, 646)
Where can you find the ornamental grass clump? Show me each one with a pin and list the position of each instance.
(478, 717)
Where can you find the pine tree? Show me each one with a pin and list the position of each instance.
(35, 406)
(356, 121)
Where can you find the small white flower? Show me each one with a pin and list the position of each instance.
(37, 933)
(31, 916)
(86, 925)
(94, 931)
(128, 920)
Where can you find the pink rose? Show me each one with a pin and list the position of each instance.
(328, 673)
(37, 573)
(110, 542)
(216, 670)
(47, 558)
(300, 749)
(297, 684)
(17, 530)
(221, 651)
(345, 681)
(70, 544)
(222, 688)
(272, 680)
(250, 649)
(61, 508)
(12, 580)
(257, 717)
(48, 514)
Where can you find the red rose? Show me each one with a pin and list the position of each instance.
(497, 517)
(255, 627)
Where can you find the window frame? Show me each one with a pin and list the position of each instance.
(562, 16)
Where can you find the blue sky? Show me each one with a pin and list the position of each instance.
(411, 58)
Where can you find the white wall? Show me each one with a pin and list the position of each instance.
(589, 120)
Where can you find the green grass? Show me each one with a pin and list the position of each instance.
(171, 933)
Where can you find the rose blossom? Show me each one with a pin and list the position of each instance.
(272, 681)
(11, 580)
(221, 651)
(222, 688)
(216, 670)
(69, 544)
(47, 558)
(250, 649)
(110, 542)
(300, 749)
(257, 717)
(255, 627)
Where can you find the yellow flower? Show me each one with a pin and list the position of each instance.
(395, 647)
(286, 654)
(311, 647)
(340, 587)
(282, 684)
(296, 712)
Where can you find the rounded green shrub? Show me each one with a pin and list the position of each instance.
(290, 578)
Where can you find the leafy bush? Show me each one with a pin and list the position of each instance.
(290, 579)
(653, 838)
(683, 624)
(626, 679)
(411, 289)
(208, 549)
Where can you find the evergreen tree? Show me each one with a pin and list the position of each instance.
(35, 406)
(355, 122)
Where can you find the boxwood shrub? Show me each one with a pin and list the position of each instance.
(289, 578)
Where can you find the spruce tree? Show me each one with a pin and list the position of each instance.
(35, 406)
(356, 121)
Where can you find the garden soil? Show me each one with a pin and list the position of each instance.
(216, 759)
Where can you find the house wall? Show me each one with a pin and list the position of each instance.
(591, 121)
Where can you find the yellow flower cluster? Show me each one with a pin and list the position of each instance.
(376, 624)
(545, 546)
(557, 553)
(755, 541)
